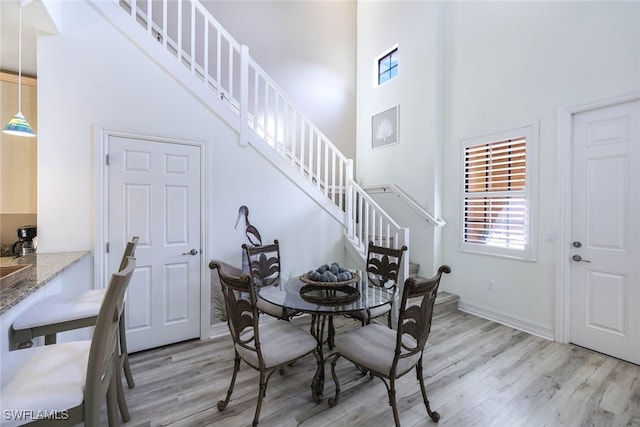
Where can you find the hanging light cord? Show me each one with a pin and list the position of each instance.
(18, 125)
(20, 63)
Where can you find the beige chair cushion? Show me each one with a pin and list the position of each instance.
(280, 342)
(374, 312)
(61, 307)
(47, 378)
(269, 308)
(372, 347)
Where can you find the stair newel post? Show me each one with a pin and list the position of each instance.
(244, 95)
(350, 214)
(403, 240)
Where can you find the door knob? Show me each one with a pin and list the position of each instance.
(579, 258)
(191, 252)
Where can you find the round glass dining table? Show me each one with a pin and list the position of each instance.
(322, 307)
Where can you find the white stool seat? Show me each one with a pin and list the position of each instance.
(68, 311)
(45, 378)
(60, 308)
(65, 383)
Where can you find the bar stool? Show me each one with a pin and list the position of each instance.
(65, 384)
(69, 311)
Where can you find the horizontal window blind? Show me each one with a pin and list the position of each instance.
(495, 197)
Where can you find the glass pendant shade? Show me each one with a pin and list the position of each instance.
(19, 126)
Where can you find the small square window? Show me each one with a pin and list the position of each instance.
(388, 66)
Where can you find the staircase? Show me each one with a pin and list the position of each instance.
(194, 47)
(445, 302)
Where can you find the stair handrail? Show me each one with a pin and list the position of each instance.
(294, 136)
(224, 40)
(240, 85)
(367, 221)
(246, 89)
(392, 188)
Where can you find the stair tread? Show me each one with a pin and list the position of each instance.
(413, 269)
(445, 303)
(446, 297)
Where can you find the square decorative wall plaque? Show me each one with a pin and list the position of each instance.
(384, 128)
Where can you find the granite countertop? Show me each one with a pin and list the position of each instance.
(46, 266)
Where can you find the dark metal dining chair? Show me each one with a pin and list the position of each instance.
(267, 348)
(382, 270)
(389, 354)
(264, 268)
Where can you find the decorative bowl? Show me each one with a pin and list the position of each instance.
(335, 295)
(355, 278)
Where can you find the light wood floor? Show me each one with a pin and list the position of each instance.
(477, 373)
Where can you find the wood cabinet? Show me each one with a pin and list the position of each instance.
(18, 155)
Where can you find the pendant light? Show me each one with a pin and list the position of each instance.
(18, 125)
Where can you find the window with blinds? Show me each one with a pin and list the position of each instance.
(497, 195)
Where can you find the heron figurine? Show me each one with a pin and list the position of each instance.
(252, 233)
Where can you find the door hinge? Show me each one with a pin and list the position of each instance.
(106, 159)
(106, 249)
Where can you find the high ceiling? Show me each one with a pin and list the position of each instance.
(34, 20)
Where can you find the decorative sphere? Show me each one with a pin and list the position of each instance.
(330, 273)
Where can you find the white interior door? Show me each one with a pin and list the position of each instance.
(154, 193)
(605, 272)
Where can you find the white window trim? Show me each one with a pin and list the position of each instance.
(530, 252)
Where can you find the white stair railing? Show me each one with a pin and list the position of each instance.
(199, 43)
(287, 130)
(367, 221)
(394, 189)
(195, 39)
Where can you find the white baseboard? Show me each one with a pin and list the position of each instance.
(524, 325)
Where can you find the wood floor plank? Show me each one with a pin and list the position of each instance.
(477, 373)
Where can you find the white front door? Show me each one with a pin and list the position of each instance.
(154, 193)
(605, 253)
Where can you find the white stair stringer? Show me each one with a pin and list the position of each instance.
(301, 151)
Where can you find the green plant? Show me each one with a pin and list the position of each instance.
(219, 307)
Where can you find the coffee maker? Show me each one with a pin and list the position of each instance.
(27, 240)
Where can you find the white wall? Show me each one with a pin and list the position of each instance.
(512, 64)
(309, 49)
(91, 74)
(506, 64)
(414, 163)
